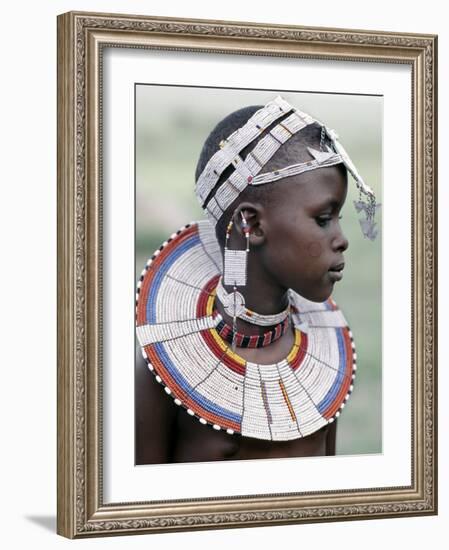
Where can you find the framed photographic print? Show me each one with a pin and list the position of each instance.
(215, 369)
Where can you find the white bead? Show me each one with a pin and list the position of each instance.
(176, 315)
(158, 378)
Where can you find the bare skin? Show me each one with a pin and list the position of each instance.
(166, 433)
(293, 245)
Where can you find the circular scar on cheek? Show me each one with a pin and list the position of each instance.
(314, 249)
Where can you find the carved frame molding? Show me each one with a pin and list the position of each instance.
(81, 38)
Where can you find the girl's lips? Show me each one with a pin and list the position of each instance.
(336, 272)
(337, 267)
(335, 275)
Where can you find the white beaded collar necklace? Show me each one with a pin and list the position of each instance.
(177, 332)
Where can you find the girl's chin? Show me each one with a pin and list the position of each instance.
(318, 297)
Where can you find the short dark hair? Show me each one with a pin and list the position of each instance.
(293, 150)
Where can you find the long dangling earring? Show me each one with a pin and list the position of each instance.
(234, 274)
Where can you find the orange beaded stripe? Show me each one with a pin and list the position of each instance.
(223, 411)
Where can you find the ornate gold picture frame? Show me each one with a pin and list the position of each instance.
(83, 39)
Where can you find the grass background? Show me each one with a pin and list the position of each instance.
(172, 123)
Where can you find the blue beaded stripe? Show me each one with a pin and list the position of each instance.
(340, 377)
(195, 395)
(162, 270)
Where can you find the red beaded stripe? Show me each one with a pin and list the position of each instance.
(250, 341)
(209, 287)
(222, 350)
(218, 351)
(301, 352)
(184, 397)
(219, 354)
(339, 398)
(160, 369)
(277, 331)
(287, 400)
(239, 339)
(201, 311)
(253, 341)
(152, 269)
(225, 332)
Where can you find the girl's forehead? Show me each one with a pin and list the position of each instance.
(325, 185)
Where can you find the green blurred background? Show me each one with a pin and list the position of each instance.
(172, 123)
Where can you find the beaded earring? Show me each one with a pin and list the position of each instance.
(234, 274)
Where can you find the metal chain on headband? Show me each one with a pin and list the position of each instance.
(248, 171)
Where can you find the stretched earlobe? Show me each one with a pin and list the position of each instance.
(249, 216)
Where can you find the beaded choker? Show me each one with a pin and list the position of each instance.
(177, 331)
(254, 341)
(246, 314)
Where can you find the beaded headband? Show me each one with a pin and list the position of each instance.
(247, 171)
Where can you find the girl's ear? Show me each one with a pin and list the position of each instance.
(253, 214)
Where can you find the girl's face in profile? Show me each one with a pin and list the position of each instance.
(304, 242)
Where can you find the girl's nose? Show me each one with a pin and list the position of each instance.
(340, 242)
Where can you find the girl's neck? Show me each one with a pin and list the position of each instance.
(261, 296)
(274, 352)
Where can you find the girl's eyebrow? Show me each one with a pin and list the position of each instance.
(329, 203)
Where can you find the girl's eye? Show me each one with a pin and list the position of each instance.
(322, 221)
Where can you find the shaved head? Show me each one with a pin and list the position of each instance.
(292, 151)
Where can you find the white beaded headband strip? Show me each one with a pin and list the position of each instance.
(237, 141)
(265, 149)
(247, 170)
(226, 193)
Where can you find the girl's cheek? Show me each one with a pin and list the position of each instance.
(314, 249)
